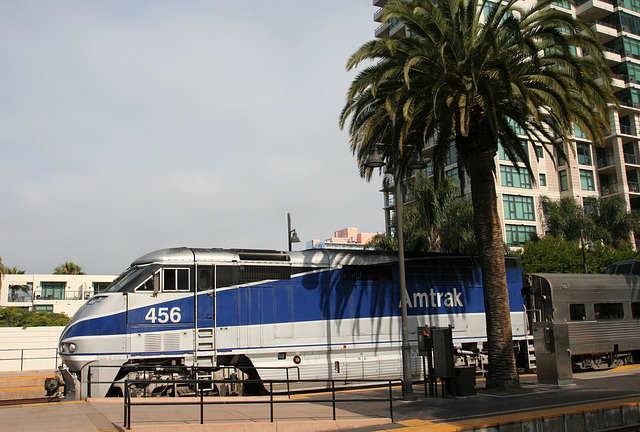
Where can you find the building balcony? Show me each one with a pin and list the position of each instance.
(609, 189)
(48, 295)
(630, 159)
(606, 32)
(591, 10)
(380, 3)
(618, 82)
(377, 17)
(634, 187)
(606, 166)
(612, 57)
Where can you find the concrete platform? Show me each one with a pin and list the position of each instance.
(595, 401)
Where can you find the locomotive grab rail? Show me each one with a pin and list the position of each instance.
(201, 402)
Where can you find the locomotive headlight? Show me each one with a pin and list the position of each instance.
(68, 348)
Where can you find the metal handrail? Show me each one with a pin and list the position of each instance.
(128, 401)
(22, 357)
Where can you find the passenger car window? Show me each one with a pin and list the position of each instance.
(635, 309)
(605, 311)
(577, 312)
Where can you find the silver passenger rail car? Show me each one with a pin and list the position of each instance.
(602, 314)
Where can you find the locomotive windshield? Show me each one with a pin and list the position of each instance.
(131, 278)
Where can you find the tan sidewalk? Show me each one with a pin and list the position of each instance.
(106, 415)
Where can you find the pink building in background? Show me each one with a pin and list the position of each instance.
(347, 238)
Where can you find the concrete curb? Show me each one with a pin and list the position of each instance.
(282, 426)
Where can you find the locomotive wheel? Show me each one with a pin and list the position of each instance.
(597, 363)
(617, 361)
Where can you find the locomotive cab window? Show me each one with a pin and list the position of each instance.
(146, 286)
(205, 278)
(604, 311)
(176, 280)
(577, 312)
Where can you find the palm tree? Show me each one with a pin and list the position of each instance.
(437, 219)
(68, 268)
(614, 223)
(566, 219)
(2, 271)
(13, 270)
(481, 83)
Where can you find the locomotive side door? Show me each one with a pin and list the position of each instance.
(205, 323)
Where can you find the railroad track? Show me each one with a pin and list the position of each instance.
(27, 401)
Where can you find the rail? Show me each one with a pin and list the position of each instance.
(24, 357)
(128, 403)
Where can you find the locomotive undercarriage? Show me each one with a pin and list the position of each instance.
(601, 361)
(158, 373)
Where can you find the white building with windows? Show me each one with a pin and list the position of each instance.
(51, 293)
(591, 171)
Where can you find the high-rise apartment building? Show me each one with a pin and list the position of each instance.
(591, 171)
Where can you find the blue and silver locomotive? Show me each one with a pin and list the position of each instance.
(328, 313)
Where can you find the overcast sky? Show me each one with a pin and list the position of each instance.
(130, 126)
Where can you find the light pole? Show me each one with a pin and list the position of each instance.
(292, 237)
(376, 161)
(583, 244)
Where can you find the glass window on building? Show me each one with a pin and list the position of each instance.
(99, 287)
(428, 170)
(512, 177)
(559, 160)
(453, 173)
(517, 235)
(586, 180)
(578, 132)
(584, 153)
(563, 4)
(634, 5)
(563, 180)
(451, 156)
(539, 151)
(590, 206)
(629, 97)
(486, 8)
(21, 293)
(543, 179)
(52, 290)
(502, 154)
(43, 308)
(625, 125)
(518, 207)
(516, 128)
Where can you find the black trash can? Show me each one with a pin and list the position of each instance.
(465, 380)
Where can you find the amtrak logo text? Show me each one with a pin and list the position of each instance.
(434, 299)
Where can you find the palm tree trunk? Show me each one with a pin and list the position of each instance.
(502, 367)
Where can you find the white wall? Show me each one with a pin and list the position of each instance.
(32, 348)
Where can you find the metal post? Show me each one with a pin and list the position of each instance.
(89, 375)
(390, 401)
(271, 399)
(201, 405)
(584, 256)
(333, 398)
(407, 380)
(21, 359)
